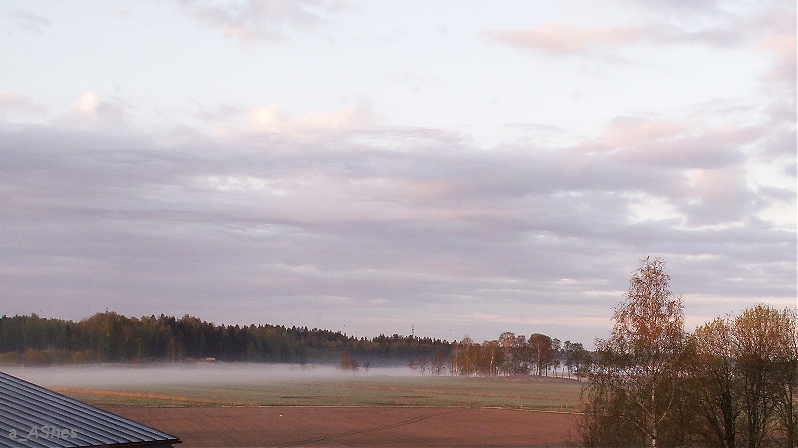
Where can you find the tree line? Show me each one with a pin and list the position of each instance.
(731, 383)
(111, 337)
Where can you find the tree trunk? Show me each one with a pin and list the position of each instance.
(790, 410)
(653, 417)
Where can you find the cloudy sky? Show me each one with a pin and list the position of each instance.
(461, 168)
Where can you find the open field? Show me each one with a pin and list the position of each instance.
(512, 393)
(357, 426)
(250, 406)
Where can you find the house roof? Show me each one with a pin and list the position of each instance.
(32, 416)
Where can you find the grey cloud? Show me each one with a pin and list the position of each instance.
(683, 153)
(780, 144)
(722, 195)
(791, 170)
(351, 225)
(251, 21)
(30, 22)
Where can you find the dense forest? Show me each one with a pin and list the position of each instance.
(111, 337)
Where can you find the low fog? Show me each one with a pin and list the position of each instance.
(128, 375)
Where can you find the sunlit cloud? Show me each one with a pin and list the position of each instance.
(87, 104)
(89, 111)
(559, 39)
(276, 119)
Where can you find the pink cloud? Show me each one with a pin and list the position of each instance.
(783, 47)
(720, 195)
(19, 104)
(630, 130)
(668, 143)
(562, 40)
(559, 39)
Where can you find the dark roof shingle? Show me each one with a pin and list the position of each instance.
(32, 416)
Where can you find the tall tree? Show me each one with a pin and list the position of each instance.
(638, 368)
(542, 352)
(762, 349)
(507, 344)
(716, 383)
(788, 366)
(575, 357)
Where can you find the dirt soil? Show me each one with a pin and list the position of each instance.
(357, 426)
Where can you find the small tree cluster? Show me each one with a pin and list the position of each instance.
(745, 370)
(347, 362)
(507, 355)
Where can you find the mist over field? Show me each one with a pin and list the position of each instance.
(204, 374)
(260, 385)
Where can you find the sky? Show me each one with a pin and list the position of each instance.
(448, 168)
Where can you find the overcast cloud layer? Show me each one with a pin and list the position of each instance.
(371, 167)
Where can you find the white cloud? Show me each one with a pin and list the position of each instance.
(644, 207)
(272, 118)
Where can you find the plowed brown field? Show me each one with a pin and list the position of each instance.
(357, 426)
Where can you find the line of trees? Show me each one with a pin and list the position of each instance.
(732, 383)
(111, 337)
(510, 354)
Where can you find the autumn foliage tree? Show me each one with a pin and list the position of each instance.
(633, 386)
(764, 351)
(717, 384)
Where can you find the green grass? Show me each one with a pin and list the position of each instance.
(520, 393)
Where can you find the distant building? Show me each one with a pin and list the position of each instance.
(32, 416)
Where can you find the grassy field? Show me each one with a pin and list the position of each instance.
(544, 394)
